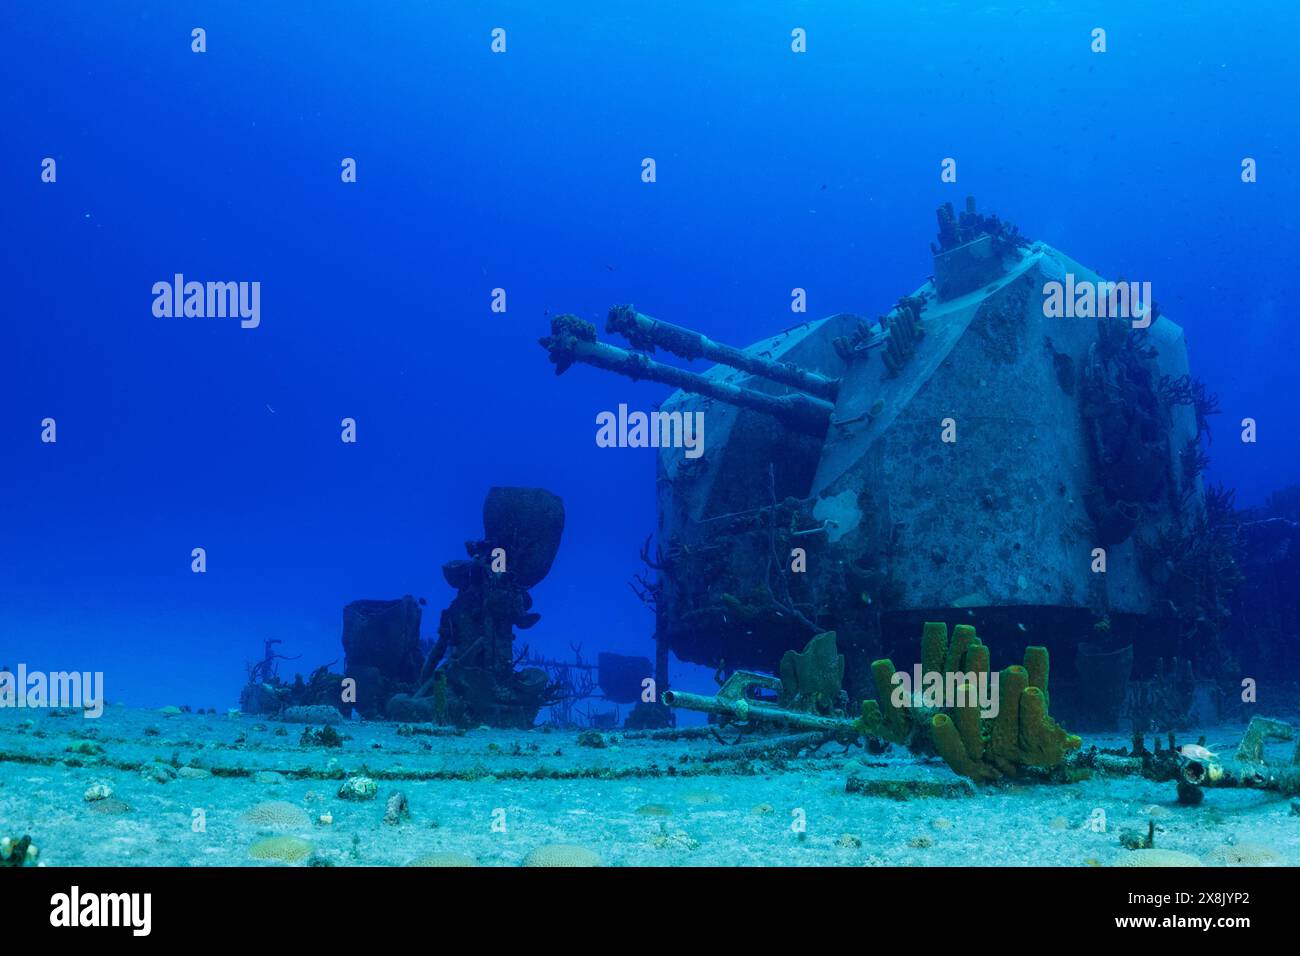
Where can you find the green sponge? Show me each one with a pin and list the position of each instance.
(1021, 734)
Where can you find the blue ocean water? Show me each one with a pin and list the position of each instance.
(521, 171)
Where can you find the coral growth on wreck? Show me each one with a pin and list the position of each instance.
(958, 229)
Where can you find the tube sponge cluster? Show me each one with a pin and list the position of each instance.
(1020, 735)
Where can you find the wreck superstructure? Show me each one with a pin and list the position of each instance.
(964, 453)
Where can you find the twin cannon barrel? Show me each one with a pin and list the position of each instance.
(806, 409)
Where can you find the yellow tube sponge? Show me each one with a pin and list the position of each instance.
(934, 647)
(963, 638)
(948, 742)
(966, 718)
(883, 719)
(1036, 665)
(1005, 739)
(1043, 742)
(1019, 734)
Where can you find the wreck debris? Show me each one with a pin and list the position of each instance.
(570, 682)
(469, 676)
(381, 644)
(907, 789)
(1248, 768)
(804, 697)
(774, 749)
(266, 692)
(736, 704)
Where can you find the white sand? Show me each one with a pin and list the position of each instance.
(631, 812)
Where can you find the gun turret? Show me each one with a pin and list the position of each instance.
(574, 340)
(645, 332)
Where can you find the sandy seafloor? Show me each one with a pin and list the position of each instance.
(492, 796)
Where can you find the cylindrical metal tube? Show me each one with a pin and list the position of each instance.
(645, 332)
(698, 702)
(758, 711)
(573, 340)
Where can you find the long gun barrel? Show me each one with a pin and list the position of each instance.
(574, 340)
(644, 332)
(734, 703)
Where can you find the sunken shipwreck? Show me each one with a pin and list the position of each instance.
(1016, 447)
(998, 449)
(997, 483)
